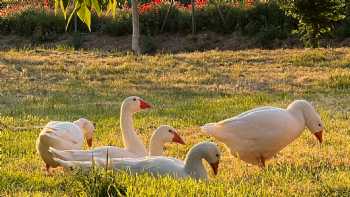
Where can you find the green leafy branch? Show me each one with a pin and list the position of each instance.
(83, 9)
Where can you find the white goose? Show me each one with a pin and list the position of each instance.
(63, 135)
(257, 135)
(161, 166)
(132, 143)
(161, 135)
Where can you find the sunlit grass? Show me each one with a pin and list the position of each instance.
(187, 90)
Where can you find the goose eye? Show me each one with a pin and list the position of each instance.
(170, 131)
(134, 99)
(217, 155)
(319, 125)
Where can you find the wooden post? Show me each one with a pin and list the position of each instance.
(75, 23)
(135, 43)
(193, 17)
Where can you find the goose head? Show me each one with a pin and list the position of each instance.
(212, 155)
(162, 135)
(167, 133)
(204, 150)
(135, 104)
(88, 128)
(312, 118)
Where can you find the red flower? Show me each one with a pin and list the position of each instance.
(46, 3)
(157, 1)
(145, 7)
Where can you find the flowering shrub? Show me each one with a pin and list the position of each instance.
(263, 21)
(11, 8)
(146, 7)
(147, 4)
(16, 6)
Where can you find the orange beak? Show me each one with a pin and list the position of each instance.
(319, 136)
(144, 104)
(177, 138)
(89, 142)
(215, 167)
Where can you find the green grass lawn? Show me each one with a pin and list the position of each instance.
(187, 91)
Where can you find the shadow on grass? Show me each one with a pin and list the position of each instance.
(327, 190)
(14, 62)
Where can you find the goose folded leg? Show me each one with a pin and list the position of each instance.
(71, 165)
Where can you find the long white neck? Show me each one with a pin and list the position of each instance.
(79, 124)
(131, 141)
(296, 110)
(156, 146)
(193, 164)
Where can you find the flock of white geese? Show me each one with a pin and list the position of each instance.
(254, 136)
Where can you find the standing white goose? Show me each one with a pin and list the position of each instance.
(257, 135)
(161, 135)
(63, 135)
(161, 166)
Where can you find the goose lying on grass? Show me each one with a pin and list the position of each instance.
(160, 166)
(160, 136)
(257, 135)
(63, 135)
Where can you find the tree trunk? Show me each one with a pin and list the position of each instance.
(193, 17)
(75, 23)
(220, 13)
(135, 28)
(166, 16)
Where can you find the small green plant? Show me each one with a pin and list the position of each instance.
(316, 17)
(97, 183)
